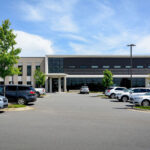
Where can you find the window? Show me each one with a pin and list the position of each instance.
(37, 67)
(117, 67)
(1, 90)
(127, 67)
(28, 82)
(23, 88)
(11, 88)
(149, 67)
(20, 67)
(55, 65)
(94, 67)
(120, 89)
(137, 91)
(83, 67)
(1, 82)
(19, 82)
(106, 67)
(29, 70)
(139, 67)
(71, 67)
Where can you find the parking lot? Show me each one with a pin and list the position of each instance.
(75, 122)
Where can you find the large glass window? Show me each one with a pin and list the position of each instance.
(94, 67)
(83, 67)
(106, 67)
(37, 67)
(55, 65)
(71, 67)
(117, 67)
(139, 67)
(127, 67)
(20, 67)
(29, 70)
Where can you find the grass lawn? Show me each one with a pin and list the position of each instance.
(16, 106)
(103, 96)
(143, 107)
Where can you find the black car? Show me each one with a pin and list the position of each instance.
(21, 94)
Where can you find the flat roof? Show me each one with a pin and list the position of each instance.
(99, 56)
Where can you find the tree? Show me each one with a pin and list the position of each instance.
(148, 80)
(107, 79)
(8, 54)
(39, 77)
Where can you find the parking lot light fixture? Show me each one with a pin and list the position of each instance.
(131, 62)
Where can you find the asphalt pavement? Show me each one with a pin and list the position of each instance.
(75, 122)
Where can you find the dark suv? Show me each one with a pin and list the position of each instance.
(22, 94)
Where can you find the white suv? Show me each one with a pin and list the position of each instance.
(143, 100)
(129, 94)
(112, 91)
(3, 102)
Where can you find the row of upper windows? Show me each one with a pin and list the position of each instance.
(29, 70)
(105, 67)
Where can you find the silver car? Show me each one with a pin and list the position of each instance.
(3, 102)
(142, 100)
(84, 90)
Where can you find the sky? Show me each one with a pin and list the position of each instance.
(79, 27)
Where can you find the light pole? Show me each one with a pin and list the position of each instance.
(131, 64)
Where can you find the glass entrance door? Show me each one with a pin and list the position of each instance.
(55, 85)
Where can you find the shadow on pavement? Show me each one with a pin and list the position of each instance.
(2, 112)
(114, 101)
(127, 107)
(30, 104)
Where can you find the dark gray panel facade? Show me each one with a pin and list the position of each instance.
(111, 62)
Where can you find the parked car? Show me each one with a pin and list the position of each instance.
(124, 95)
(112, 91)
(84, 90)
(142, 100)
(22, 94)
(3, 102)
(40, 91)
(129, 95)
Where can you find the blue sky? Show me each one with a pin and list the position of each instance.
(79, 27)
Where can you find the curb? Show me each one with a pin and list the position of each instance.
(19, 109)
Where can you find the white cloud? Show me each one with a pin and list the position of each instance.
(56, 14)
(75, 37)
(33, 45)
(143, 46)
(31, 13)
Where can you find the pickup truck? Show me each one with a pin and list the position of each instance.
(40, 91)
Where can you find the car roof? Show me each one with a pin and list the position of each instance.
(17, 85)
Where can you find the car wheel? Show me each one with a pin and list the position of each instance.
(21, 101)
(124, 98)
(38, 94)
(112, 96)
(145, 103)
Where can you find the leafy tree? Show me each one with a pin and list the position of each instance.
(148, 80)
(8, 54)
(39, 77)
(107, 79)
